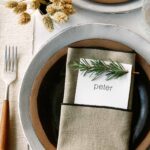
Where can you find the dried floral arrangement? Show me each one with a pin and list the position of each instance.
(56, 10)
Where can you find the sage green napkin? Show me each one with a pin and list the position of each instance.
(89, 127)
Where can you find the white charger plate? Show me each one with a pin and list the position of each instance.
(109, 8)
(62, 39)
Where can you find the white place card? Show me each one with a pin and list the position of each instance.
(100, 92)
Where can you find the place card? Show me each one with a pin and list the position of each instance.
(102, 92)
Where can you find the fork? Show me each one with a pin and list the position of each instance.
(9, 76)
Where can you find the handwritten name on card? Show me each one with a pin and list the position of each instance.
(100, 92)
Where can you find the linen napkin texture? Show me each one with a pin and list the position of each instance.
(90, 127)
(13, 34)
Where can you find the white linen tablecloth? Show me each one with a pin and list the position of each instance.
(11, 33)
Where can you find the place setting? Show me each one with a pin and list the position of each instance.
(87, 87)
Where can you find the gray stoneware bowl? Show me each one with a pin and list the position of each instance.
(109, 8)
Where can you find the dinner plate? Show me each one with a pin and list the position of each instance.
(28, 106)
(109, 8)
(52, 89)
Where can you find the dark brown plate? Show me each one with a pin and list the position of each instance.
(50, 97)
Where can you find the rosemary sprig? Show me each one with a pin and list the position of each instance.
(96, 68)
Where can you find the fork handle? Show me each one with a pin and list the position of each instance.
(4, 125)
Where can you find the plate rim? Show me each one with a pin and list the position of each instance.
(99, 31)
(106, 8)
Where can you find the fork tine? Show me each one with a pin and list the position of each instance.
(7, 56)
(12, 59)
(10, 69)
(15, 59)
(8, 60)
(5, 65)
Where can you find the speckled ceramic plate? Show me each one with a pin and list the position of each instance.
(36, 136)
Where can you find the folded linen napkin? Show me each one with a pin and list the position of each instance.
(88, 127)
(76, 54)
(11, 33)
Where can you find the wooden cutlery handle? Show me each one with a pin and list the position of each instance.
(4, 125)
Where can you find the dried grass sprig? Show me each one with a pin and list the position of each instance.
(68, 9)
(55, 1)
(51, 9)
(48, 22)
(35, 4)
(44, 2)
(24, 18)
(21, 7)
(11, 4)
(67, 1)
(57, 10)
(60, 17)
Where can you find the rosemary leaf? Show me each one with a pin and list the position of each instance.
(96, 68)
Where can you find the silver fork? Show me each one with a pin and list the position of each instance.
(9, 76)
